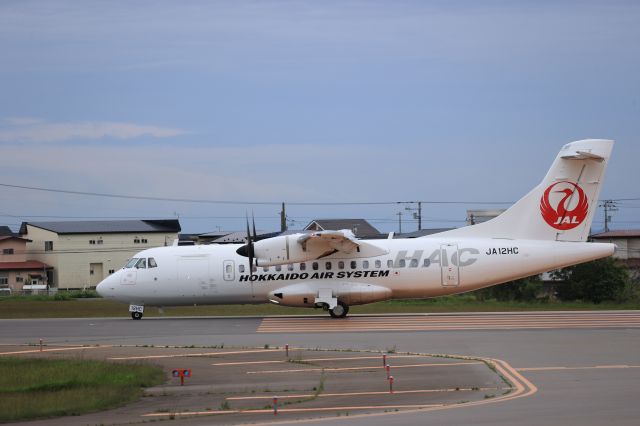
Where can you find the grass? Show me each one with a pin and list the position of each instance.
(36, 388)
(26, 307)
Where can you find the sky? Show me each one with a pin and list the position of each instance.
(309, 102)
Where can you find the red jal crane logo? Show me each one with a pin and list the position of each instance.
(561, 217)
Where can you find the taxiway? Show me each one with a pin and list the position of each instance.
(584, 366)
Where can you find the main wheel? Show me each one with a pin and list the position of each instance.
(136, 315)
(339, 311)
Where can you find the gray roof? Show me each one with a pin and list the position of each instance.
(360, 227)
(422, 233)
(240, 237)
(623, 233)
(5, 230)
(105, 226)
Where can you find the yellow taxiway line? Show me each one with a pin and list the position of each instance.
(332, 395)
(373, 367)
(34, 351)
(595, 367)
(356, 358)
(198, 354)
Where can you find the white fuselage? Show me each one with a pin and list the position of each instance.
(410, 268)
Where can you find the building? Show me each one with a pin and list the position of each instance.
(5, 230)
(475, 217)
(83, 253)
(627, 242)
(16, 272)
(360, 227)
(421, 233)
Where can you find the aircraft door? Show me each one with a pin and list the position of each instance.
(450, 273)
(228, 270)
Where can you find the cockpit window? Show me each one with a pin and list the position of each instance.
(152, 263)
(131, 263)
(142, 263)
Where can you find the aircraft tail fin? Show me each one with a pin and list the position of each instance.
(561, 207)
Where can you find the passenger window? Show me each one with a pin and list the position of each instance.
(403, 263)
(152, 263)
(389, 263)
(227, 269)
(278, 268)
(341, 265)
(265, 269)
(354, 264)
(290, 267)
(241, 268)
(365, 264)
(314, 265)
(142, 264)
(414, 263)
(254, 268)
(303, 266)
(427, 262)
(378, 264)
(327, 266)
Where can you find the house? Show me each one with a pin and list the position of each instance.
(83, 253)
(627, 242)
(5, 230)
(360, 227)
(475, 217)
(16, 272)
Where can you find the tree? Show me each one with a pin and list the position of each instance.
(594, 281)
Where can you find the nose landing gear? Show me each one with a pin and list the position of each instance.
(136, 311)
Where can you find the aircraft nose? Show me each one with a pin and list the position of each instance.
(105, 287)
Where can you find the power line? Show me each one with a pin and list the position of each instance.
(238, 202)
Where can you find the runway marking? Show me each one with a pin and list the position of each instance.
(193, 354)
(33, 351)
(329, 395)
(595, 367)
(373, 367)
(317, 360)
(435, 322)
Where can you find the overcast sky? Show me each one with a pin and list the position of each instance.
(309, 101)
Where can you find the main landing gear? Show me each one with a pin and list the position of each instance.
(340, 311)
(136, 315)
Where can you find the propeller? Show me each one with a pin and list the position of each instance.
(247, 250)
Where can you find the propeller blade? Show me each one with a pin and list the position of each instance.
(255, 234)
(249, 248)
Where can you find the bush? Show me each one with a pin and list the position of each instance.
(596, 281)
(522, 290)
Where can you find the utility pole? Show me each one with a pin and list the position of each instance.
(283, 219)
(399, 222)
(609, 206)
(417, 213)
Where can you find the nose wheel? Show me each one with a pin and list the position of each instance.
(340, 311)
(136, 315)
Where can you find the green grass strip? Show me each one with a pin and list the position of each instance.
(36, 388)
(91, 308)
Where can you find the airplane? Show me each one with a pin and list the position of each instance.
(545, 230)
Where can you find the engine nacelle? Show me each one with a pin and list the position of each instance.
(285, 249)
(306, 295)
